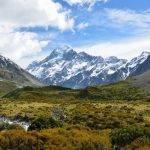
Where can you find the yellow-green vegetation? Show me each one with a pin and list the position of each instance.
(33, 109)
(55, 139)
(122, 90)
(78, 124)
(115, 116)
(42, 93)
(124, 136)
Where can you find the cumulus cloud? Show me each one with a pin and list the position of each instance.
(123, 49)
(20, 45)
(24, 47)
(90, 3)
(16, 13)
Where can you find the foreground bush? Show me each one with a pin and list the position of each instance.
(54, 139)
(125, 136)
(139, 144)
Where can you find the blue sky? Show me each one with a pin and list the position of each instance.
(97, 29)
(33, 28)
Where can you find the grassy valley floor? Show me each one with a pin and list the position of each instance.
(110, 117)
(84, 124)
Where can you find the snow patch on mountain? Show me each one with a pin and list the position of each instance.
(66, 67)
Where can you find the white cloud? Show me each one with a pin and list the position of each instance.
(119, 17)
(24, 47)
(20, 46)
(17, 13)
(123, 49)
(84, 2)
(82, 25)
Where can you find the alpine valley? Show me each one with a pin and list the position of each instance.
(65, 67)
(115, 116)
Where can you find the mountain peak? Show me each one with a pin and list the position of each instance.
(4, 62)
(62, 49)
(65, 47)
(145, 53)
(60, 52)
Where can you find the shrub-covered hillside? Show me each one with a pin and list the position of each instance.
(6, 86)
(41, 93)
(122, 90)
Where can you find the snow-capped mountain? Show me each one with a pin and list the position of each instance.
(66, 67)
(12, 72)
(140, 64)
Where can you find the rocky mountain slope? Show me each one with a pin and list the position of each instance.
(11, 72)
(142, 80)
(65, 67)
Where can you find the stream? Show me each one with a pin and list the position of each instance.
(24, 124)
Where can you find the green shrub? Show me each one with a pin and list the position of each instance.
(83, 94)
(124, 136)
(15, 127)
(43, 123)
(3, 125)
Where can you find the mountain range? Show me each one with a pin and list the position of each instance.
(65, 67)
